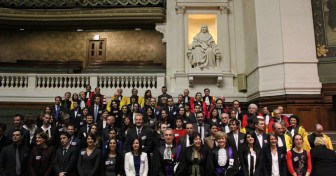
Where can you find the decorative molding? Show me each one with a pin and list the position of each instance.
(219, 77)
(224, 10)
(87, 18)
(161, 27)
(180, 9)
(78, 3)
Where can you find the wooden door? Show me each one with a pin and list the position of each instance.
(97, 52)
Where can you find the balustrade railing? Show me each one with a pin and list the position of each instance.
(44, 87)
(14, 81)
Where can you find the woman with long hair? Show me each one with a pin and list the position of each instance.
(251, 157)
(214, 117)
(75, 97)
(274, 158)
(298, 159)
(190, 115)
(148, 94)
(136, 161)
(194, 158)
(149, 118)
(89, 158)
(113, 163)
(95, 131)
(41, 156)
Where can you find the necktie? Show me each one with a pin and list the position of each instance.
(236, 140)
(57, 112)
(18, 163)
(139, 132)
(64, 151)
(251, 165)
(95, 113)
(170, 109)
(200, 130)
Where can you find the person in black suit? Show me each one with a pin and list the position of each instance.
(4, 141)
(74, 141)
(110, 123)
(41, 156)
(194, 158)
(66, 157)
(96, 109)
(172, 110)
(184, 140)
(258, 134)
(236, 139)
(166, 156)
(49, 129)
(323, 159)
(251, 157)
(66, 103)
(14, 157)
(18, 123)
(57, 110)
(201, 127)
(274, 151)
(164, 94)
(89, 159)
(82, 132)
(141, 132)
(237, 109)
(76, 114)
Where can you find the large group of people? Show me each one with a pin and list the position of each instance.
(86, 135)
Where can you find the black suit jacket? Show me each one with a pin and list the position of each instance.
(53, 140)
(183, 141)
(145, 136)
(232, 143)
(264, 140)
(4, 141)
(159, 164)
(323, 161)
(82, 132)
(8, 162)
(66, 104)
(66, 163)
(243, 158)
(185, 166)
(281, 160)
(100, 111)
(76, 119)
(57, 116)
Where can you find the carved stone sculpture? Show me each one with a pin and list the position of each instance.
(204, 52)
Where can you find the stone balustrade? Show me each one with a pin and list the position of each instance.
(44, 87)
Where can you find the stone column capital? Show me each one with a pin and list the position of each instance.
(180, 9)
(224, 9)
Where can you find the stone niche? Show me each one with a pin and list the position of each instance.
(203, 49)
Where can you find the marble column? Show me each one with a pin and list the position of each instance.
(181, 40)
(223, 25)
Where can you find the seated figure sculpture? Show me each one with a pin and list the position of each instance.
(204, 51)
